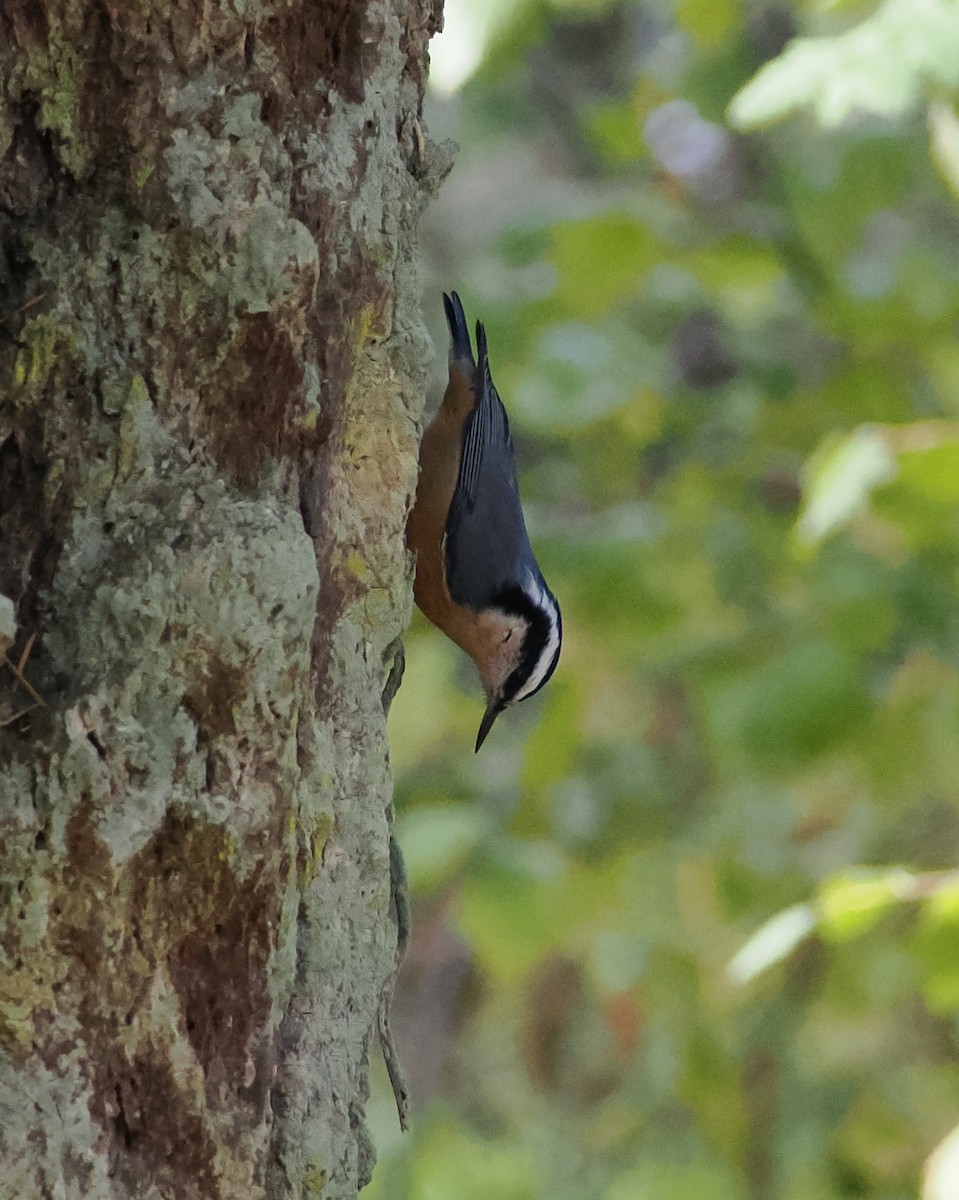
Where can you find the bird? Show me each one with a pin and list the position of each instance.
(476, 576)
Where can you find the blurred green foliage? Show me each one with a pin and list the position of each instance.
(689, 926)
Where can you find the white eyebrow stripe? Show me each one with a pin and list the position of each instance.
(549, 653)
(547, 604)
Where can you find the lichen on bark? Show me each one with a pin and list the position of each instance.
(211, 378)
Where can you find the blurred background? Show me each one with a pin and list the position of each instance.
(688, 927)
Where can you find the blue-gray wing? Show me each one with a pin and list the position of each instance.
(487, 547)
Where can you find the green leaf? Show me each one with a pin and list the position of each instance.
(944, 135)
(929, 461)
(916, 465)
(773, 941)
(841, 478)
(936, 945)
(940, 1179)
(852, 903)
(878, 67)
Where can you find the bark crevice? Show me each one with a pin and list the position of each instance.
(211, 377)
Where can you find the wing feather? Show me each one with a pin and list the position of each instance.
(487, 547)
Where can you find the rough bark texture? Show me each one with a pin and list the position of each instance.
(211, 372)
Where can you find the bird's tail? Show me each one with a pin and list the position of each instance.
(461, 348)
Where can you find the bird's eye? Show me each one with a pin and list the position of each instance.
(507, 635)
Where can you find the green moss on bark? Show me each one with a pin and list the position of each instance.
(207, 451)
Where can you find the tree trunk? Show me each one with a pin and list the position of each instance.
(211, 379)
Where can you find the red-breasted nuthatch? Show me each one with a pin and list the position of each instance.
(476, 575)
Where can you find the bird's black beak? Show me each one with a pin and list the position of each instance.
(493, 710)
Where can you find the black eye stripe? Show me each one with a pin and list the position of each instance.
(539, 628)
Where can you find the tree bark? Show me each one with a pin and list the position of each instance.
(211, 378)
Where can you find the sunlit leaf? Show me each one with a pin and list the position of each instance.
(944, 132)
(879, 66)
(841, 478)
(852, 903)
(943, 904)
(775, 940)
(940, 1177)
